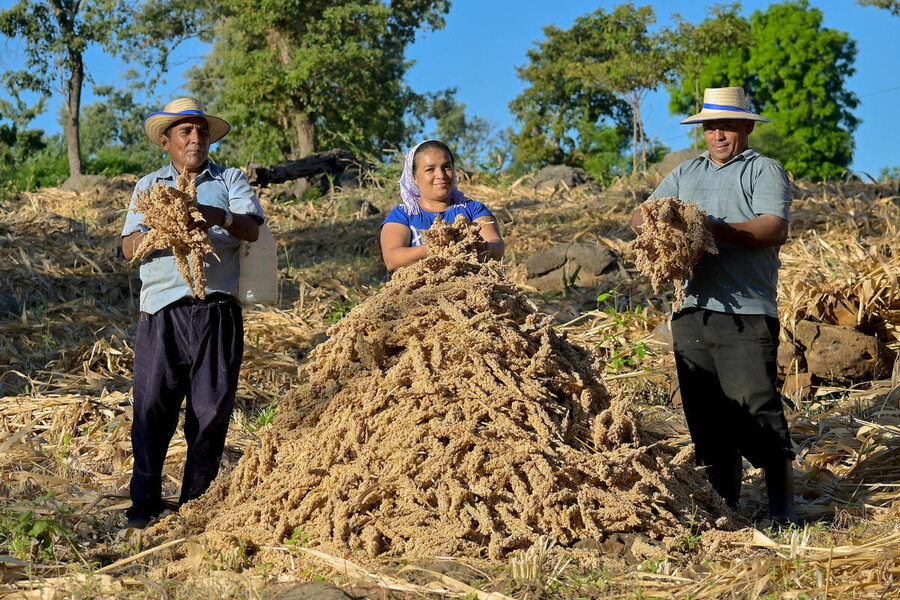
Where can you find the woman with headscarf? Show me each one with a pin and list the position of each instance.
(428, 189)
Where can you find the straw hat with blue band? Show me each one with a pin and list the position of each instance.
(156, 124)
(724, 103)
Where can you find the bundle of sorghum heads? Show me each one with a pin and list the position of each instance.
(169, 212)
(673, 238)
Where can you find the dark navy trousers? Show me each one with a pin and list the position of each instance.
(190, 349)
(726, 366)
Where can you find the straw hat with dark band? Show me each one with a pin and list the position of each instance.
(724, 103)
(156, 124)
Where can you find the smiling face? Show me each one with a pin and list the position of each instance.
(726, 138)
(434, 174)
(187, 141)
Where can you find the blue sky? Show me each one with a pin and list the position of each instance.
(485, 40)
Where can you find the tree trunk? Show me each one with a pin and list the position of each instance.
(640, 123)
(65, 18)
(634, 136)
(306, 134)
(73, 107)
(697, 105)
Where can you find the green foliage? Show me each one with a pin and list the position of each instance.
(21, 146)
(265, 415)
(801, 70)
(298, 539)
(691, 540)
(17, 141)
(892, 5)
(113, 138)
(888, 173)
(560, 110)
(694, 46)
(585, 86)
(794, 71)
(55, 35)
(338, 308)
(31, 530)
(471, 138)
(293, 76)
(636, 62)
(604, 153)
(45, 167)
(615, 347)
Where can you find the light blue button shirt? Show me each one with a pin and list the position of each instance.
(223, 187)
(739, 279)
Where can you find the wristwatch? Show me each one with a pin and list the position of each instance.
(229, 218)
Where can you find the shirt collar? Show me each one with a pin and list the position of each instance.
(745, 155)
(211, 170)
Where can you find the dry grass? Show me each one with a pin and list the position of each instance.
(65, 411)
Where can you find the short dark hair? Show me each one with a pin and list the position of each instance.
(428, 145)
(168, 131)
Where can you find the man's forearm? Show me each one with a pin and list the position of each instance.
(244, 227)
(762, 232)
(131, 242)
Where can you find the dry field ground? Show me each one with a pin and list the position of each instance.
(68, 305)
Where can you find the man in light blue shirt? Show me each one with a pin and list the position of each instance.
(726, 332)
(187, 347)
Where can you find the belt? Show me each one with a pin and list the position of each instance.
(214, 298)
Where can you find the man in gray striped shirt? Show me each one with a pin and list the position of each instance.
(726, 332)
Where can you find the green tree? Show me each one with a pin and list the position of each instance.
(637, 62)
(57, 33)
(891, 5)
(471, 138)
(112, 133)
(17, 140)
(694, 46)
(795, 72)
(560, 110)
(294, 74)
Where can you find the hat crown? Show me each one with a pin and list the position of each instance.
(156, 123)
(726, 96)
(180, 105)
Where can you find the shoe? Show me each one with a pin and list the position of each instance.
(725, 477)
(780, 489)
(137, 523)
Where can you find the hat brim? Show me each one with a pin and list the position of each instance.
(715, 115)
(156, 124)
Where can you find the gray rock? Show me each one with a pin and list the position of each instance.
(554, 177)
(843, 354)
(673, 159)
(83, 183)
(556, 267)
(313, 591)
(363, 207)
(546, 261)
(549, 281)
(787, 354)
(592, 258)
(349, 178)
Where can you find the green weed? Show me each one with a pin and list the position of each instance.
(615, 347)
(298, 539)
(31, 530)
(338, 308)
(691, 540)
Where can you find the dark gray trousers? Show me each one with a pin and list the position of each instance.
(726, 367)
(189, 349)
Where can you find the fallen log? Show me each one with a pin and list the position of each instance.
(332, 162)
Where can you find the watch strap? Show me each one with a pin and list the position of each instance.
(229, 219)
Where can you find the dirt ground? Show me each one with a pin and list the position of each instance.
(575, 388)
